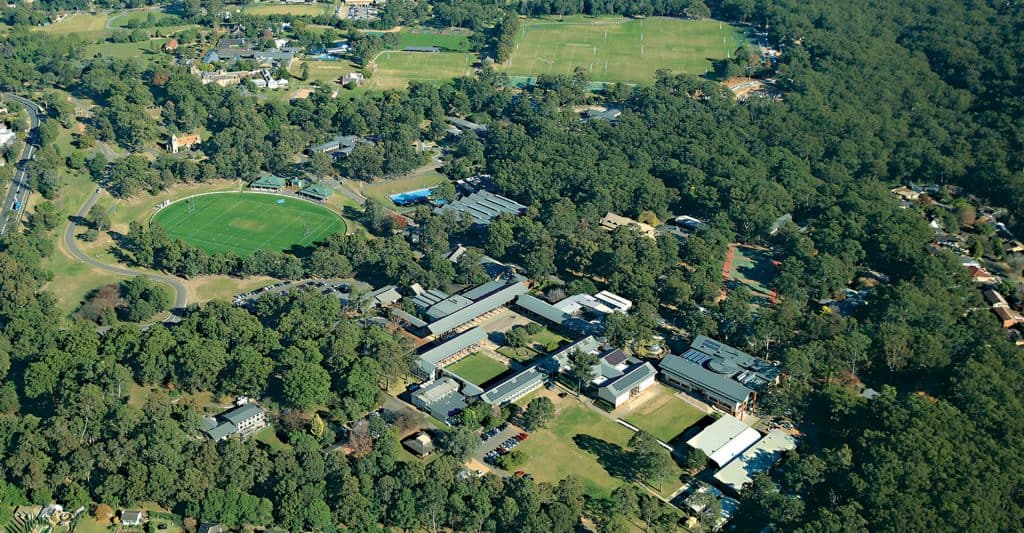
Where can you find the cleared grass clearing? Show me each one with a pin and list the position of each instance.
(311, 10)
(84, 24)
(394, 70)
(615, 49)
(477, 368)
(381, 190)
(425, 37)
(147, 50)
(246, 222)
(136, 17)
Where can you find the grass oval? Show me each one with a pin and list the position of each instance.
(246, 222)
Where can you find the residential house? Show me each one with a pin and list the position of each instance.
(242, 421)
(353, 78)
(761, 457)
(171, 45)
(6, 135)
(610, 114)
(209, 527)
(907, 194)
(133, 518)
(980, 275)
(1008, 317)
(724, 439)
(611, 221)
(441, 398)
(179, 142)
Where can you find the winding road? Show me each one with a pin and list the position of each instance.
(180, 291)
(17, 195)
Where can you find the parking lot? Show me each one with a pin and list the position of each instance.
(496, 439)
(341, 288)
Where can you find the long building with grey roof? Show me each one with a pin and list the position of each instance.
(441, 313)
(450, 349)
(483, 207)
(515, 387)
(729, 378)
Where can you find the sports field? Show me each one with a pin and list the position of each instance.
(395, 69)
(298, 10)
(616, 49)
(477, 368)
(754, 268)
(454, 41)
(246, 222)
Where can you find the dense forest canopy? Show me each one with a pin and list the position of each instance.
(875, 94)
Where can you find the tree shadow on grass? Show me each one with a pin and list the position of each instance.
(612, 457)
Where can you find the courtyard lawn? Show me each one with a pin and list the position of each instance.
(477, 368)
(579, 442)
(662, 414)
(615, 49)
(522, 355)
(309, 10)
(246, 222)
(394, 70)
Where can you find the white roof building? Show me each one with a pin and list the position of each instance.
(724, 439)
(6, 135)
(758, 458)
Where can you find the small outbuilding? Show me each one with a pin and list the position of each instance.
(420, 444)
(318, 193)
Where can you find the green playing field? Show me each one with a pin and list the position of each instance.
(616, 49)
(246, 222)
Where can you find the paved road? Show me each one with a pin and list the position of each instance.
(19, 191)
(180, 292)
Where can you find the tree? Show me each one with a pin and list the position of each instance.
(444, 191)
(650, 461)
(696, 460)
(582, 367)
(305, 385)
(45, 217)
(697, 10)
(460, 442)
(538, 413)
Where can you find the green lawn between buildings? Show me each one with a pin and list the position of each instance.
(664, 415)
(581, 442)
(616, 49)
(477, 368)
(246, 222)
